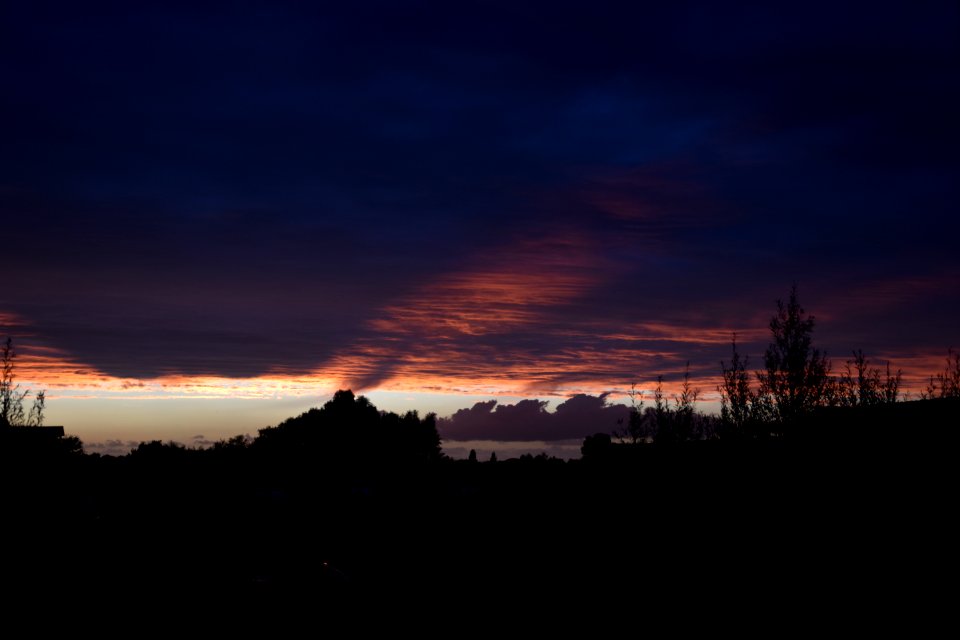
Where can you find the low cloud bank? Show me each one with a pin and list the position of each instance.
(577, 417)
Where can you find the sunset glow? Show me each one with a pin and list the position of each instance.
(242, 213)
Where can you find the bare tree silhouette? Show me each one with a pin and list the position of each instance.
(11, 397)
(684, 414)
(796, 376)
(945, 384)
(862, 385)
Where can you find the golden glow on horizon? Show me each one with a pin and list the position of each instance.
(561, 374)
(447, 371)
(443, 339)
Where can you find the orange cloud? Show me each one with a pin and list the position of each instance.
(661, 331)
(511, 289)
(490, 328)
(441, 367)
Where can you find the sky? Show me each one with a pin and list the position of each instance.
(216, 214)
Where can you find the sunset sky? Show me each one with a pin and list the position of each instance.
(216, 214)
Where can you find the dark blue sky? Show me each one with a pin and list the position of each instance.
(540, 195)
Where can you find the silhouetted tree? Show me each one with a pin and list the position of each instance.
(36, 417)
(237, 442)
(158, 450)
(684, 414)
(410, 437)
(679, 423)
(596, 447)
(662, 427)
(861, 385)
(349, 431)
(493, 456)
(736, 398)
(232, 450)
(473, 456)
(637, 425)
(947, 383)
(796, 376)
(890, 387)
(11, 397)
(70, 445)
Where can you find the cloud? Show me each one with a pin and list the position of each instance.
(430, 212)
(10, 322)
(577, 417)
(508, 287)
(111, 447)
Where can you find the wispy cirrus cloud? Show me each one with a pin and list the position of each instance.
(508, 288)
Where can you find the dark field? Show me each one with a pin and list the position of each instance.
(786, 524)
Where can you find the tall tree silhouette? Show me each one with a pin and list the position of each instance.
(684, 413)
(637, 425)
(662, 416)
(736, 398)
(796, 376)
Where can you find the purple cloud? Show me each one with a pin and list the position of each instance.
(577, 417)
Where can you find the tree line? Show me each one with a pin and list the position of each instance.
(796, 380)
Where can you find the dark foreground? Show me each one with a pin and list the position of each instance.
(794, 529)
